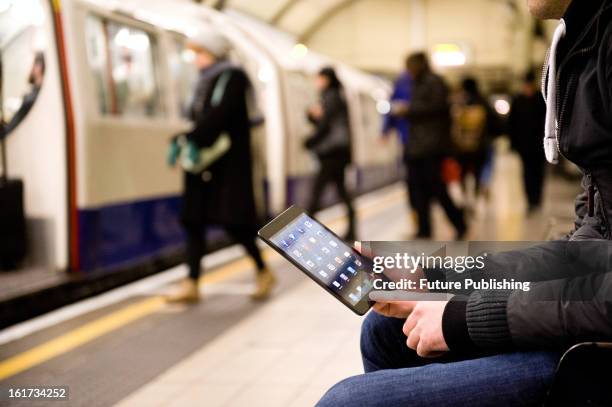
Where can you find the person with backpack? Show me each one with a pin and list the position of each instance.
(473, 130)
(331, 142)
(216, 156)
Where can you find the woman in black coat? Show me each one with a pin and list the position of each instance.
(331, 142)
(222, 194)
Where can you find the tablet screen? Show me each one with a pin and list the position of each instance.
(325, 257)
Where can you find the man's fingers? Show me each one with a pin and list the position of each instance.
(421, 350)
(410, 324)
(413, 339)
(435, 354)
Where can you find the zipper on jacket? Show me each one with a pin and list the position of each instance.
(590, 195)
(591, 188)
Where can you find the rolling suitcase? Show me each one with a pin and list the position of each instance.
(12, 217)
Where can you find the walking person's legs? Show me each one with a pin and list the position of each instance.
(247, 237)
(194, 250)
(410, 191)
(322, 178)
(533, 178)
(420, 189)
(339, 180)
(455, 215)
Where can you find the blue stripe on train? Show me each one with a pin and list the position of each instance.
(117, 235)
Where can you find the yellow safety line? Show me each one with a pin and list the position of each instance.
(117, 319)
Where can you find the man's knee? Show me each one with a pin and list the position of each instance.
(341, 394)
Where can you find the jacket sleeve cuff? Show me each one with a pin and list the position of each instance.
(454, 325)
(487, 319)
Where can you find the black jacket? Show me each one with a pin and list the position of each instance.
(223, 194)
(332, 136)
(571, 299)
(429, 118)
(526, 125)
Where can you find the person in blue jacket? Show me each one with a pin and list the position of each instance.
(402, 94)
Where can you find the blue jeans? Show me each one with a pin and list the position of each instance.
(396, 376)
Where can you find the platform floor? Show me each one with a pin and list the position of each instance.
(129, 348)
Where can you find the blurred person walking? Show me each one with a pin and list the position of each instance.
(401, 96)
(331, 142)
(429, 116)
(474, 126)
(525, 125)
(222, 194)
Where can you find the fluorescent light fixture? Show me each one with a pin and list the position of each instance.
(383, 106)
(299, 51)
(445, 55)
(502, 106)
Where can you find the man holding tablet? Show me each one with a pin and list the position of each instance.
(501, 347)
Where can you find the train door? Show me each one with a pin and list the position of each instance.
(33, 112)
(128, 197)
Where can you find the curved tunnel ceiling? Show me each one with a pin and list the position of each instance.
(299, 17)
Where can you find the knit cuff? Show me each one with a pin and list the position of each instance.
(487, 320)
(454, 325)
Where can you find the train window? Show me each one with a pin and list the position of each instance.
(184, 74)
(122, 61)
(22, 60)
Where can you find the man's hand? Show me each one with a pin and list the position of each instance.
(399, 108)
(316, 111)
(395, 309)
(424, 329)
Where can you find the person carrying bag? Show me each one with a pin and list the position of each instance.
(217, 162)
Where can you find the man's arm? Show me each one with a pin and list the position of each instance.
(551, 314)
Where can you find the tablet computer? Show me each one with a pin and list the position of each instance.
(323, 256)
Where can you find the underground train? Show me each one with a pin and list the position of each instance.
(90, 125)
